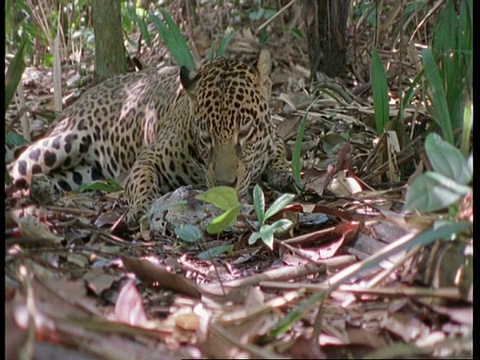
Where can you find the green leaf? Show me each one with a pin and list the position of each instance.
(259, 203)
(447, 160)
(8, 179)
(108, 185)
(256, 14)
(223, 197)
(380, 92)
(439, 100)
(281, 226)
(279, 204)
(14, 74)
(223, 221)
(136, 18)
(188, 233)
(467, 127)
(253, 238)
(295, 32)
(13, 139)
(214, 252)
(422, 239)
(227, 37)
(432, 191)
(173, 39)
(297, 148)
(266, 233)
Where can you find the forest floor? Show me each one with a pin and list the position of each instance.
(350, 279)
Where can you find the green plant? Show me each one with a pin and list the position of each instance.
(14, 74)
(173, 39)
(380, 92)
(448, 67)
(447, 184)
(297, 149)
(225, 198)
(222, 45)
(266, 231)
(107, 185)
(137, 16)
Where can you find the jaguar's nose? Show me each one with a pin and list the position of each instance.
(231, 183)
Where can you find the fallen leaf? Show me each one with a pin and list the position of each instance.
(129, 307)
(147, 269)
(187, 321)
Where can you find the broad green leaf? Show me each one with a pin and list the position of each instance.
(380, 92)
(108, 185)
(282, 225)
(447, 160)
(266, 233)
(223, 221)
(439, 100)
(214, 252)
(269, 13)
(253, 238)
(432, 191)
(279, 204)
(223, 197)
(188, 233)
(14, 74)
(259, 203)
(256, 14)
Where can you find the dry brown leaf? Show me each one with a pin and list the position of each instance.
(150, 270)
(305, 348)
(32, 228)
(129, 306)
(405, 326)
(98, 281)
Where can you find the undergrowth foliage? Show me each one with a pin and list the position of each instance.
(434, 73)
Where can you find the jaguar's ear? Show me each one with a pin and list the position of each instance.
(189, 80)
(264, 67)
(264, 63)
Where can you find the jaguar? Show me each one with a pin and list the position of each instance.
(163, 128)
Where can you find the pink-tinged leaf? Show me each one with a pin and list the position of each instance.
(129, 308)
(346, 231)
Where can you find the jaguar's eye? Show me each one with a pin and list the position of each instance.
(205, 139)
(244, 133)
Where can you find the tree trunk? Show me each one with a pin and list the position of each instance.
(109, 49)
(326, 25)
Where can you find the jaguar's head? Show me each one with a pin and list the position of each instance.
(232, 126)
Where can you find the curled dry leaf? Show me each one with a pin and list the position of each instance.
(129, 307)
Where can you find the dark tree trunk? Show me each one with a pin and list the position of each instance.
(109, 49)
(326, 28)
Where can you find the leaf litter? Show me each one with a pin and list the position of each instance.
(353, 277)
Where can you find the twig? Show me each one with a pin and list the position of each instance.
(279, 12)
(293, 272)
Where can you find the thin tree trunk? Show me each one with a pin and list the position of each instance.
(326, 25)
(109, 49)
